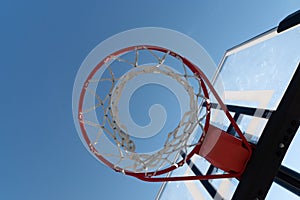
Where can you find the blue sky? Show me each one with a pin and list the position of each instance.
(43, 44)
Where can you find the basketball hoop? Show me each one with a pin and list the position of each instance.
(105, 83)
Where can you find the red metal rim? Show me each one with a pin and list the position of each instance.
(191, 66)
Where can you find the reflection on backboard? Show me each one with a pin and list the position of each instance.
(255, 75)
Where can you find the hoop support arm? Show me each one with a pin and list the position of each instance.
(223, 150)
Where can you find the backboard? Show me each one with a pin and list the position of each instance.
(256, 76)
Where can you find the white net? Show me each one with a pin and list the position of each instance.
(111, 136)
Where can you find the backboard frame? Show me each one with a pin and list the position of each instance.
(275, 138)
(267, 157)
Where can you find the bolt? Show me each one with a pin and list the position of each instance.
(281, 145)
